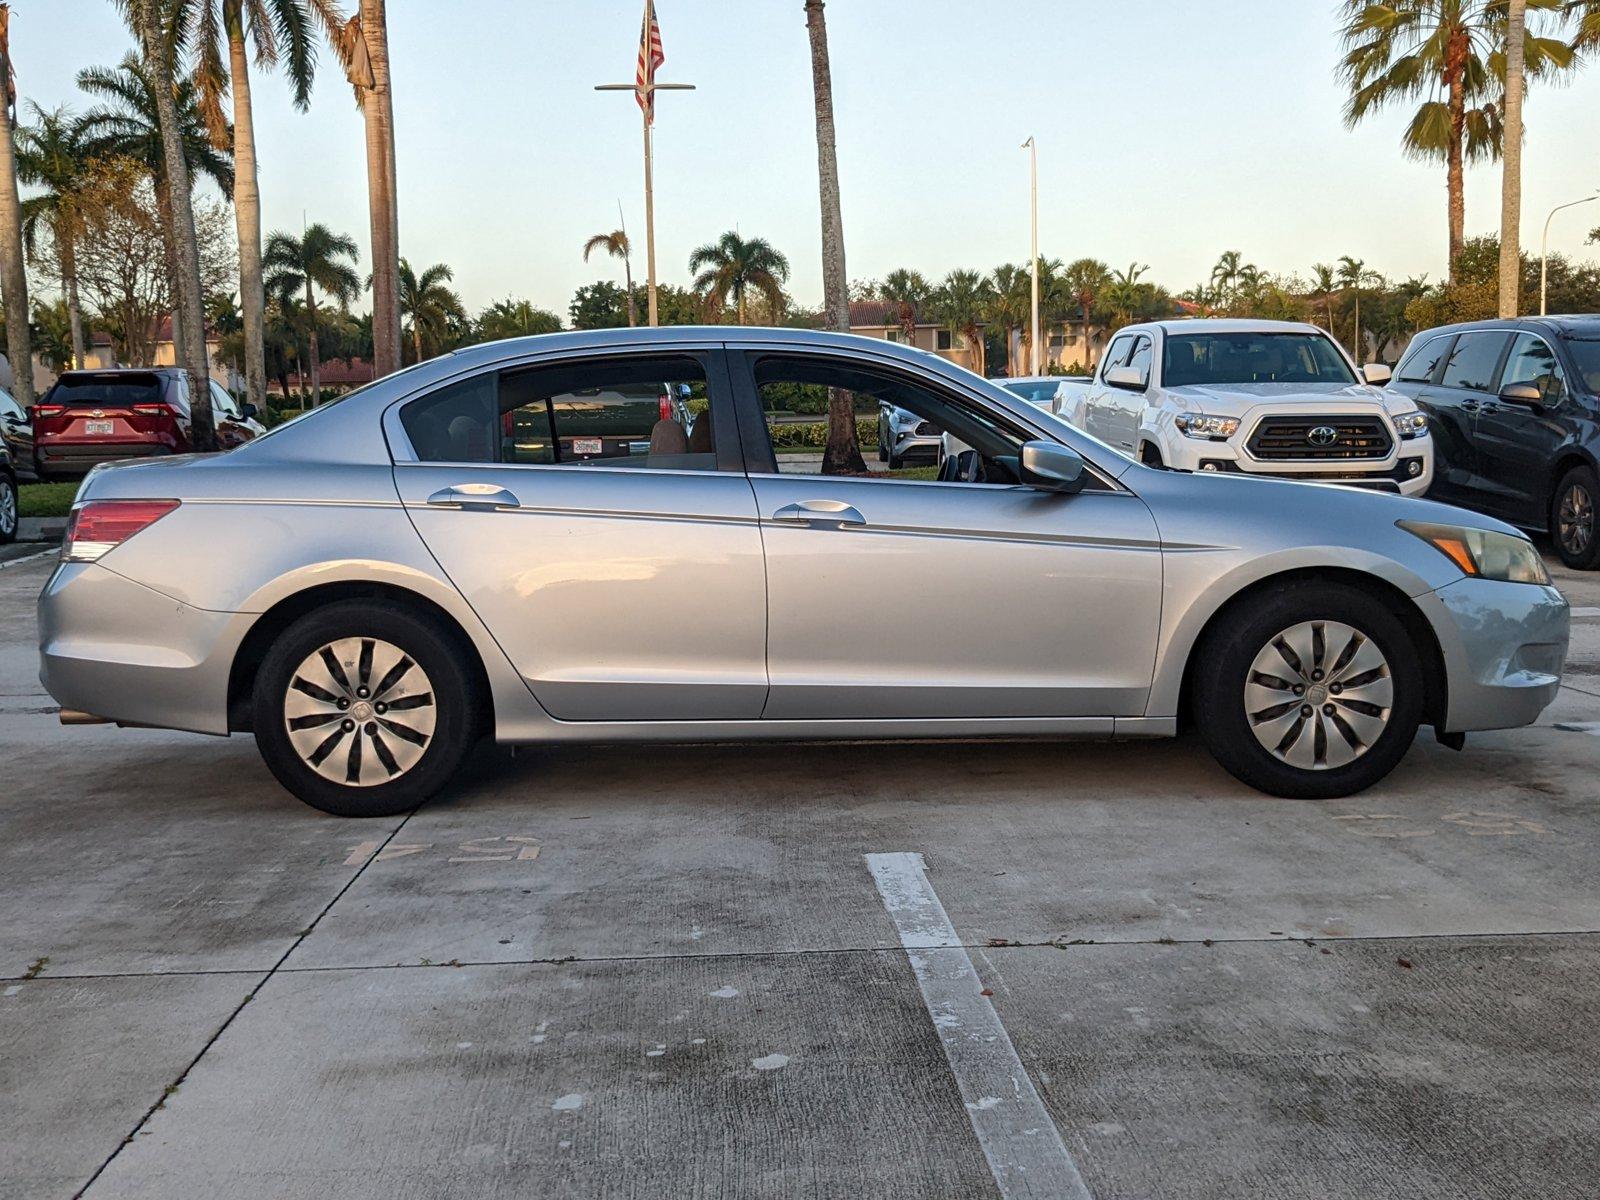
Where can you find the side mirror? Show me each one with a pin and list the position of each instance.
(249, 411)
(1130, 379)
(1523, 395)
(1052, 467)
(1377, 374)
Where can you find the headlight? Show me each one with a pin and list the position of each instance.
(1198, 425)
(1411, 424)
(1482, 553)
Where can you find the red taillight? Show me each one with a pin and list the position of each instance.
(100, 525)
(152, 410)
(666, 407)
(47, 410)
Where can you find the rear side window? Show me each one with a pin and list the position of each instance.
(1421, 362)
(637, 412)
(106, 391)
(1473, 361)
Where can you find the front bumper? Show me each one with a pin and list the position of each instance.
(1504, 646)
(909, 444)
(1407, 471)
(119, 650)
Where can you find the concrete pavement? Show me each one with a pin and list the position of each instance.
(668, 972)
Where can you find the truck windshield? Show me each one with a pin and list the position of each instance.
(1224, 358)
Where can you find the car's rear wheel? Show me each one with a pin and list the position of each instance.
(1572, 519)
(1313, 691)
(363, 709)
(8, 507)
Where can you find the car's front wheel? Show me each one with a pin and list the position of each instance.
(8, 507)
(1310, 692)
(364, 709)
(1572, 519)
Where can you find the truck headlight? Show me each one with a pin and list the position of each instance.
(1198, 425)
(1483, 553)
(1412, 424)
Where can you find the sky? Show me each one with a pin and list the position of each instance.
(1168, 132)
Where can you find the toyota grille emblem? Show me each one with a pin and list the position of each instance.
(1322, 435)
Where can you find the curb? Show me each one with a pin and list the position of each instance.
(41, 529)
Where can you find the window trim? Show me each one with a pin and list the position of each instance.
(712, 359)
(761, 458)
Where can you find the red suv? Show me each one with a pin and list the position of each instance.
(91, 417)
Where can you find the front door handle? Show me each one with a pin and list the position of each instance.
(487, 496)
(820, 512)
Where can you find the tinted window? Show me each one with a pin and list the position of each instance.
(106, 391)
(1141, 356)
(1117, 355)
(1532, 361)
(916, 415)
(1223, 358)
(1034, 392)
(636, 412)
(1586, 357)
(1473, 361)
(1421, 362)
(222, 402)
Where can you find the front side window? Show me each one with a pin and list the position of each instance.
(1473, 361)
(1212, 359)
(1421, 363)
(1532, 361)
(909, 419)
(1117, 355)
(646, 412)
(223, 403)
(1139, 360)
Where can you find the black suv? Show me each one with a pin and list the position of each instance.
(1514, 408)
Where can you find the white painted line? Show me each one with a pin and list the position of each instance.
(17, 562)
(1579, 614)
(1026, 1154)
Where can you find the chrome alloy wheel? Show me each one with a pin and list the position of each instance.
(360, 712)
(1575, 519)
(8, 507)
(1319, 695)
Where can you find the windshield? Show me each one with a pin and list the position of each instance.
(1034, 391)
(1224, 358)
(1586, 357)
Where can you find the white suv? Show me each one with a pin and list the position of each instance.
(1256, 397)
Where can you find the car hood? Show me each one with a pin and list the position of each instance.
(1236, 399)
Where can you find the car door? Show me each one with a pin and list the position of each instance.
(614, 554)
(1449, 425)
(17, 430)
(1516, 445)
(1466, 384)
(898, 597)
(1099, 418)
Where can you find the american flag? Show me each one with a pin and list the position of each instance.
(650, 57)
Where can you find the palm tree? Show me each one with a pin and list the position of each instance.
(430, 306)
(730, 266)
(1125, 295)
(52, 156)
(1353, 276)
(159, 45)
(962, 302)
(908, 291)
(362, 46)
(223, 33)
(129, 125)
(1451, 55)
(1324, 282)
(1231, 277)
(842, 454)
(314, 260)
(13, 276)
(1009, 309)
(1084, 280)
(514, 318)
(1511, 165)
(616, 245)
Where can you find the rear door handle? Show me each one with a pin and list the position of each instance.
(820, 512)
(487, 496)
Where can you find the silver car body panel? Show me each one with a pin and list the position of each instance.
(648, 605)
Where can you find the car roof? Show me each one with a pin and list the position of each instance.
(1576, 325)
(1226, 325)
(113, 372)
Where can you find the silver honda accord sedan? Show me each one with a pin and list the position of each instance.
(633, 535)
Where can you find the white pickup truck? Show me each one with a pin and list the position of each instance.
(1256, 397)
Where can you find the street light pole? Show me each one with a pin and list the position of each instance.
(1033, 260)
(1544, 251)
(645, 93)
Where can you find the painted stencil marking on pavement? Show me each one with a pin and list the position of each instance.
(1021, 1143)
(484, 849)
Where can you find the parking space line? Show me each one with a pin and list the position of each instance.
(1021, 1143)
(26, 559)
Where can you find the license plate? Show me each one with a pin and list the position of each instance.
(98, 427)
(587, 445)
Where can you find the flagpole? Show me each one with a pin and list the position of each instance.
(649, 222)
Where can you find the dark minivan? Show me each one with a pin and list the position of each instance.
(1513, 409)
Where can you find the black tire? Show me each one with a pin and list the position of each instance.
(1223, 667)
(456, 707)
(9, 517)
(883, 453)
(1573, 519)
(896, 461)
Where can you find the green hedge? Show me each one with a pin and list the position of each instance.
(813, 435)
